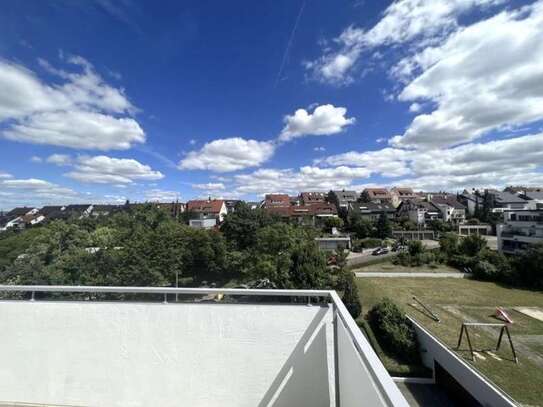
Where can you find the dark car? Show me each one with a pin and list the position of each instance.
(379, 251)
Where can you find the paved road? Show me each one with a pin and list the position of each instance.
(409, 275)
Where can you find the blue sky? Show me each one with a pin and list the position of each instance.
(108, 100)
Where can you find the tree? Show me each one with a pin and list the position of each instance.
(361, 227)
(240, 227)
(350, 297)
(448, 243)
(472, 245)
(529, 267)
(384, 228)
(415, 248)
(333, 222)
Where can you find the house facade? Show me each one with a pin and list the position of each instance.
(205, 209)
(399, 194)
(451, 210)
(343, 198)
(520, 230)
(376, 195)
(418, 212)
(372, 211)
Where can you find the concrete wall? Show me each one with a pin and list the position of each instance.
(478, 386)
(137, 354)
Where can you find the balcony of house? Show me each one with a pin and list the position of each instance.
(139, 346)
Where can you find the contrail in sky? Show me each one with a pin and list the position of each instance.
(289, 43)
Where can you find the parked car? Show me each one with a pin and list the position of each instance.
(379, 251)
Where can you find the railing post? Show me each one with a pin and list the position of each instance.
(165, 298)
(32, 297)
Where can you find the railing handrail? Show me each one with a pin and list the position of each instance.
(164, 290)
(388, 390)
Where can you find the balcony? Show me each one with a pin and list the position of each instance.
(251, 348)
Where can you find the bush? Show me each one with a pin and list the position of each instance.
(484, 270)
(415, 247)
(472, 245)
(368, 243)
(394, 330)
(461, 261)
(350, 294)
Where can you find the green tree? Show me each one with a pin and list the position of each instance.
(333, 222)
(415, 248)
(448, 243)
(472, 245)
(384, 228)
(529, 267)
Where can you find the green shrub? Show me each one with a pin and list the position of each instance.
(350, 294)
(472, 245)
(394, 330)
(484, 270)
(461, 261)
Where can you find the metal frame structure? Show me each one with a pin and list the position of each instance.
(388, 389)
(504, 327)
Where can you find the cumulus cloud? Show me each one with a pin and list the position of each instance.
(81, 112)
(210, 186)
(475, 89)
(402, 22)
(497, 163)
(34, 192)
(268, 180)
(161, 195)
(325, 120)
(107, 170)
(390, 162)
(59, 159)
(4, 175)
(230, 154)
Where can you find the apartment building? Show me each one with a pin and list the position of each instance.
(521, 229)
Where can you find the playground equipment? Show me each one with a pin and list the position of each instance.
(433, 315)
(504, 328)
(501, 314)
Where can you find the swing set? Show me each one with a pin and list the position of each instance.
(504, 328)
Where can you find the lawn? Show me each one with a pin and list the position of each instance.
(389, 267)
(457, 300)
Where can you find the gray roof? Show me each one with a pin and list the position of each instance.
(507, 197)
(538, 196)
(372, 207)
(346, 195)
(451, 201)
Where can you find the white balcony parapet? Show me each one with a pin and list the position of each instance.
(121, 353)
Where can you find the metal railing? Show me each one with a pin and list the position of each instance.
(388, 389)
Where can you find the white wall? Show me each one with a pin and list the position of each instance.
(479, 387)
(136, 354)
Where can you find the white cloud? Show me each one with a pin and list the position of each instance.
(82, 112)
(230, 154)
(160, 195)
(268, 180)
(389, 162)
(107, 170)
(5, 175)
(36, 159)
(33, 192)
(475, 88)
(319, 149)
(497, 163)
(59, 159)
(325, 120)
(403, 21)
(210, 186)
(85, 130)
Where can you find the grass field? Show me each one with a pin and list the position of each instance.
(389, 267)
(457, 300)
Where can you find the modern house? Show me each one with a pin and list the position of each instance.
(376, 195)
(521, 229)
(372, 211)
(501, 201)
(471, 201)
(534, 198)
(231, 350)
(314, 214)
(207, 209)
(342, 198)
(451, 210)
(418, 212)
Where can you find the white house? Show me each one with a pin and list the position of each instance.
(520, 230)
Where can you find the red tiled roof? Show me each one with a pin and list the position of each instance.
(213, 206)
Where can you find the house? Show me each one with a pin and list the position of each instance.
(231, 205)
(451, 210)
(203, 209)
(372, 210)
(342, 198)
(418, 212)
(20, 217)
(377, 195)
(333, 243)
(534, 198)
(311, 215)
(276, 200)
(21, 211)
(400, 194)
(204, 223)
(521, 229)
(104, 210)
(471, 201)
(79, 211)
(501, 201)
(308, 198)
